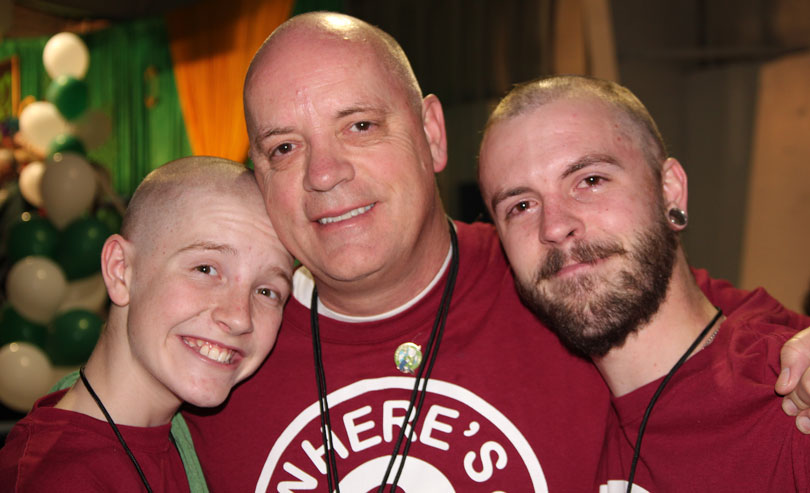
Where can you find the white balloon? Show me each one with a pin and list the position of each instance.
(36, 287)
(68, 188)
(66, 54)
(93, 128)
(89, 293)
(40, 123)
(31, 182)
(25, 375)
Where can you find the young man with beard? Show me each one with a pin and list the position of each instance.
(589, 207)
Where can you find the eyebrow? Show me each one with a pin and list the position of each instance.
(581, 163)
(589, 160)
(270, 132)
(207, 245)
(359, 108)
(284, 274)
(505, 194)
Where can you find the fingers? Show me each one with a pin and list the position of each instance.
(794, 379)
(795, 361)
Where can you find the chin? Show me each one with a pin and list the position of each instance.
(205, 392)
(349, 270)
(206, 398)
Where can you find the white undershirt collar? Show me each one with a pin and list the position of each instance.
(303, 283)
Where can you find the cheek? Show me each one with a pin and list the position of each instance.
(266, 332)
(520, 253)
(619, 216)
(172, 302)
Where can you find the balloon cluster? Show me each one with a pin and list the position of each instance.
(54, 288)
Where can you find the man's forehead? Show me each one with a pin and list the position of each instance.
(313, 46)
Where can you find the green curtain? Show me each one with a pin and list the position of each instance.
(33, 78)
(130, 64)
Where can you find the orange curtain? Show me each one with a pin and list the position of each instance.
(212, 44)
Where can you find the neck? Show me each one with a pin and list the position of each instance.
(132, 396)
(394, 286)
(653, 350)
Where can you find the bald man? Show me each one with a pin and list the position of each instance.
(198, 280)
(397, 311)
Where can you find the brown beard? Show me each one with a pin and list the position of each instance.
(590, 322)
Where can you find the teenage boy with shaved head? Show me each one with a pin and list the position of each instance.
(198, 280)
(589, 207)
(345, 149)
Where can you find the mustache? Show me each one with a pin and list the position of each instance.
(581, 252)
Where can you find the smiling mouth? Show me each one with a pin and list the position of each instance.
(352, 213)
(210, 351)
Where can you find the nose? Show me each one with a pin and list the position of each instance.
(327, 167)
(233, 311)
(558, 222)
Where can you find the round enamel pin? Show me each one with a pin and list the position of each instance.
(408, 357)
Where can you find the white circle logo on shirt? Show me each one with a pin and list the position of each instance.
(463, 439)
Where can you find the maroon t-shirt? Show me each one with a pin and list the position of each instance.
(54, 450)
(717, 426)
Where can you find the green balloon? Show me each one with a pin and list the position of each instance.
(66, 143)
(72, 337)
(69, 95)
(110, 217)
(14, 328)
(79, 252)
(32, 235)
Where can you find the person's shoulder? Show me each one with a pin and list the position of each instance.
(476, 232)
(480, 254)
(755, 305)
(479, 241)
(40, 457)
(754, 334)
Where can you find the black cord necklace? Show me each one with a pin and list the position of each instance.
(115, 429)
(637, 450)
(417, 394)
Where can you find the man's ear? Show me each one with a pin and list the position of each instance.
(116, 268)
(674, 185)
(433, 121)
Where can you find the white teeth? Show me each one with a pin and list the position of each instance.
(352, 213)
(210, 351)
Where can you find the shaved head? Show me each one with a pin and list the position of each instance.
(633, 116)
(170, 189)
(338, 28)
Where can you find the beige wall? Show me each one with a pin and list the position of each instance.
(776, 245)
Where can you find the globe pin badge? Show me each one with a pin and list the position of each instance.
(408, 357)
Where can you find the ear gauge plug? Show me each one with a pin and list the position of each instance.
(677, 217)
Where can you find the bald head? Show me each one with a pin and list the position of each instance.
(307, 31)
(630, 113)
(168, 190)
